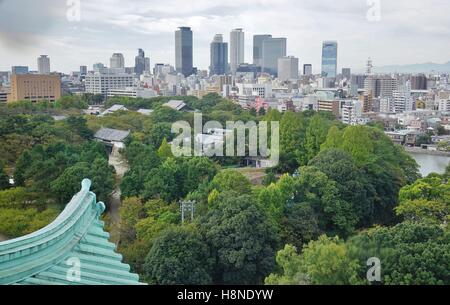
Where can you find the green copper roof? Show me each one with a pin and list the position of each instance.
(73, 249)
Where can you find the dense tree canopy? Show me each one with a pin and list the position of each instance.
(178, 256)
(241, 239)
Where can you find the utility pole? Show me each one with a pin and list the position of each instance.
(188, 206)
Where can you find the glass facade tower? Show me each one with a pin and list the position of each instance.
(329, 59)
(184, 51)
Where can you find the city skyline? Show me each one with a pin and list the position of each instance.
(105, 27)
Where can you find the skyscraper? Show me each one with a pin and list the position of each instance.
(329, 60)
(139, 62)
(98, 66)
(380, 86)
(117, 61)
(147, 67)
(273, 49)
(219, 56)
(19, 70)
(347, 73)
(419, 82)
(307, 69)
(257, 48)
(287, 68)
(237, 49)
(43, 64)
(184, 51)
(83, 70)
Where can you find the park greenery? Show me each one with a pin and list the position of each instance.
(339, 196)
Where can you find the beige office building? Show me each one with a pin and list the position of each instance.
(35, 87)
(329, 106)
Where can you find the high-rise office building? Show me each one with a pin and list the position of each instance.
(139, 62)
(257, 48)
(19, 70)
(43, 63)
(380, 86)
(219, 56)
(237, 49)
(287, 68)
(147, 67)
(419, 82)
(273, 49)
(184, 51)
(329, 62)
(358, 80)
(117, 61)
(346, 73)
(307, 69)
(83, 70)
(98, 66)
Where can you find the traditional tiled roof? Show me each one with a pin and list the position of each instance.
(175, 104)
(108, 134)
(73, 249)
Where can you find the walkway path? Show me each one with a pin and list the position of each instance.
(121, 167)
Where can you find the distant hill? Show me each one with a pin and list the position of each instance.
(415, 68)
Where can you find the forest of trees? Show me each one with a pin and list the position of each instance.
(339, 196)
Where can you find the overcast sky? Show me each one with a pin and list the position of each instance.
(410, 31)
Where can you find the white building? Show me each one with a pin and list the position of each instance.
(387, 105)
(261, 90)
(288, 68)
(402, 98)
(444, 101)
(132, 92)
(237, 49)
(104, 80)
(43, 63)
(352, 112)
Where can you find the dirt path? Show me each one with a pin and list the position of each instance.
(121, 167)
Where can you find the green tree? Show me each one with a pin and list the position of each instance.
(161, 182)
(102, 176)
(351, 181)
(68, 184)
(241, 239)
(334, 138)
(165, 150)
(316, 135)
(198, 170)
(300, 225)
(321, 193)
(411, 253)
(178, 256)
(4, 178)
(327, 262)
(158, 132)
(426, 199)
(231, 180)
(79, 125)
(292, 135)
(19, 222)
(290, 263)
(131, 211)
